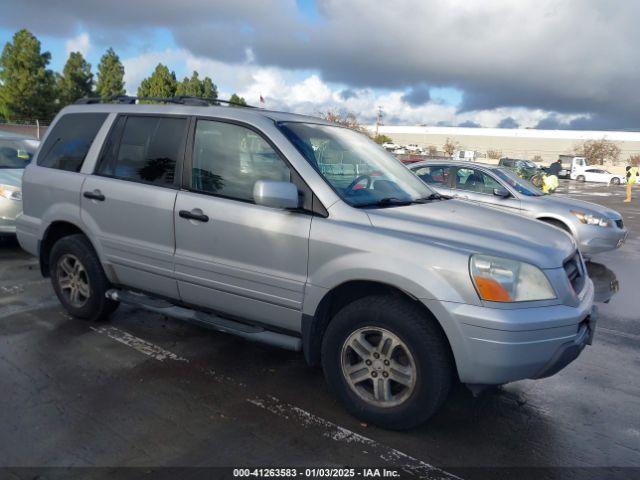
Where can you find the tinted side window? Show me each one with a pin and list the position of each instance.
(68, 143)
(149, 149)
(434, 175)
(229, 159)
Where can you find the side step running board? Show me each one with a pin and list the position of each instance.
(248, 332)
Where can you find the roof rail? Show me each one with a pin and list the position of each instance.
(180, 99)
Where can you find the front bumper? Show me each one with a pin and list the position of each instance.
(9, 210)
(593, 239)
(493, 346)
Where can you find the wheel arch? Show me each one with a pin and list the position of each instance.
(557, 222)
(314, 326)
(54, 232)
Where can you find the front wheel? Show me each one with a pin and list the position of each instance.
(388, 361)
(78, 279)
(580, 178)
(615, 181)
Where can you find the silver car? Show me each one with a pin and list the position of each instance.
(15, 154)
(299, 233)
(596, 228)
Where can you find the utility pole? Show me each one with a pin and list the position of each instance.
(378, 119)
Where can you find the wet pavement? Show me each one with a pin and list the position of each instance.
(148, 391)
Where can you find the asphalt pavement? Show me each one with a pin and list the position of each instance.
(147, 392)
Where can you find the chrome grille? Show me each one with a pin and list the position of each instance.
(575, 272)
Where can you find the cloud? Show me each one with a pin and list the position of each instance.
(533, 58)
(417, 95)
(508, 122)
(81, 44)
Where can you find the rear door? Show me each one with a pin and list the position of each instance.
(128, 202)
(436, 176)
(233, 256)
(477, 186)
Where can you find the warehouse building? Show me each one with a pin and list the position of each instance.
(516, 143)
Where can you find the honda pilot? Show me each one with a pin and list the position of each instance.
(299, 233)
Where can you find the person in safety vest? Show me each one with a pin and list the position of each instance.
(632, 177)
(549, 183)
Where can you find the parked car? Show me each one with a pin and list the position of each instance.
(595, 228)
(413, 147)
(15, 154)
(599, 175)
(523, 168)
(400, 151)
(390, 146)
(395, 290)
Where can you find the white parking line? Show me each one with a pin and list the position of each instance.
(408, 464)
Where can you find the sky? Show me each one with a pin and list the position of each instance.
(557, 64)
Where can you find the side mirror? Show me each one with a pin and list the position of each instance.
(270, 193)
(501, 192)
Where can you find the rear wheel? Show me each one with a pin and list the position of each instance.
(387, 361)
(581, 178)
(78, 279)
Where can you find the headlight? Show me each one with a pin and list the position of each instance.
(589, 219)
(502, 280)
(10, 192)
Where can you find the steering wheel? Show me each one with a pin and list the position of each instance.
(356, 181)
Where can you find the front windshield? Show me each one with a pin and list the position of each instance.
(519, 184)
(361, 173)
(15, 153)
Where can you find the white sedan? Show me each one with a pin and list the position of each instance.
(599, 175)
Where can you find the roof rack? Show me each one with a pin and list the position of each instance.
(180, 100)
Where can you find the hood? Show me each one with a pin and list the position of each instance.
(580, 205)
(477, 229)
(11, 176)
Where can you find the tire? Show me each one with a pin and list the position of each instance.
(428, 357)
(75, 266)
(615, 181)
(580, 178)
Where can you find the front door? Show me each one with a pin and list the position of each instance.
(234, 256)
(129, 200)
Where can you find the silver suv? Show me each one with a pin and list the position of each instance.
(296, 232)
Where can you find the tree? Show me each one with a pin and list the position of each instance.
(161, 83)
(76, 80)
(537, 159)
(598, 151)
(209, 89)
(236, 100)
(450, 146)
(495, 154)
(194, 87)
(27, 87)
(634, 160)
(380, 139)
(110, 75)
(346, 119)
(432, 150)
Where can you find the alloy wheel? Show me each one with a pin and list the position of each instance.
(73, 280)
(378, 366)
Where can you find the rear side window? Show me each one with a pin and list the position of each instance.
(148, 150)
(437, 175)
(68, 143)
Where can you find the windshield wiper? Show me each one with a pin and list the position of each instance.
(395, 201)
(385, 202)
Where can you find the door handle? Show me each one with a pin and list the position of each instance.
(95, 195)
(195, 214)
